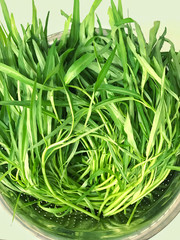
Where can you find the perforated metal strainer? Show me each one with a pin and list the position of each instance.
(149, 218)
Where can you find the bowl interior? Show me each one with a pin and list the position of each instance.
(151, 215)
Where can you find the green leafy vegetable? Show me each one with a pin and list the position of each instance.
(91, 122)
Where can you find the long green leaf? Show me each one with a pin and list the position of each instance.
(19, 77)
(78, 66)
(152, 35)
(104, 70)
(157, 121)
(74, 34)
(129, 131)
(6, 14)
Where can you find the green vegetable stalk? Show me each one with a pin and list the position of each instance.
(90, 123)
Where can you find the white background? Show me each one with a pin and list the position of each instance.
(143, 11)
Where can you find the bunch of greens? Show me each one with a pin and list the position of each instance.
(91, 122)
